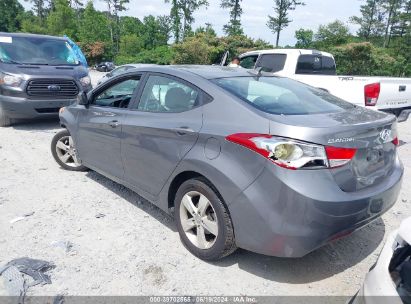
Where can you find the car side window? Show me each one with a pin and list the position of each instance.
(163, 94)
(248, 62)
(272, 63)
(118, 95)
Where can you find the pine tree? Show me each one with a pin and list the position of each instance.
(234, 26)
(280, 21)
(372, 20)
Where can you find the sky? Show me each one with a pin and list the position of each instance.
(254, 18)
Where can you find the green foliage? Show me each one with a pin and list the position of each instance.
(304, 38)
(93, 25)
(11, 11)
(204, 48)
(61, 20)
(333, 34)
(366, 59)
(159, 55)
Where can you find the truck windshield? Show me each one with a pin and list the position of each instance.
(282, 96)
(36, 51)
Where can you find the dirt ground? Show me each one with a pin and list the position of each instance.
(134, 248)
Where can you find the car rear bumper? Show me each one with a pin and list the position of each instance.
(18, 107)
(288, 213)
(401, 113)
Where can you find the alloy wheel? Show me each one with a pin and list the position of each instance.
(66, 151)
(198, 220)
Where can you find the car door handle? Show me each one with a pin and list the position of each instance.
(114, 123)
(183, 130)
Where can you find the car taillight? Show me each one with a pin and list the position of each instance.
(396, 141)
(338, 157)
(371, 93)
(293, 154)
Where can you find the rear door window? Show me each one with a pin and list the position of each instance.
(272, 62)
(315, 64)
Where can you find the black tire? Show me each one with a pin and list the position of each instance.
(54, 151)
(224, 244)
(5, 121)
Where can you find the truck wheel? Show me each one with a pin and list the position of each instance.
(203, 221)
(5, 121)
(64, 152)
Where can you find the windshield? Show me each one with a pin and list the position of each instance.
(276, 95)
(36, 50)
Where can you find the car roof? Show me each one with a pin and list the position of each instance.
(25, 35)
(288, 52)
(204, 71)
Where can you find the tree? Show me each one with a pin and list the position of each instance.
(93, 26)
(233, 27)
(41, 9)
(11, 11)
(332, 34)
(113, 9)
(188, 7)
(392, 11)
(175, 17)
(61, 20)
(281, 20)
(372, 21)
(182, 16)
(304, 38)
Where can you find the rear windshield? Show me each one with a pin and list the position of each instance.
(282, 96)
(36, 50)
(316, 64)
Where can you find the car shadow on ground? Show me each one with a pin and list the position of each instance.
(323, 263)
(36, 125)
(318, 265)
(135, 199)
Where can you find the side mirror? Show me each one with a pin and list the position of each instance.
(82, 99)
(109, 75)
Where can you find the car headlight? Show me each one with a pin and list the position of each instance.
(10, 80)
(85, 81)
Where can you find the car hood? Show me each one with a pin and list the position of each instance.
(28, 71)
(405, 230)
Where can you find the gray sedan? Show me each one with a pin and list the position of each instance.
(244, 159)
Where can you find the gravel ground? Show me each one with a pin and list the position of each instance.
(135, 249)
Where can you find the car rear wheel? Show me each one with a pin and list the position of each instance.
(5, 121)
(203, 221)
(64, 152)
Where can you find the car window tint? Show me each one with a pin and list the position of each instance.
(282, 96)
(117, 95)
(163, 94)
(315, 64)
(248, 62)
(272, 62)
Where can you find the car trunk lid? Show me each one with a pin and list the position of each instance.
(370, 132)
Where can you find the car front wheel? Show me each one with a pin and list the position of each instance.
(203, 221)
(64, 152)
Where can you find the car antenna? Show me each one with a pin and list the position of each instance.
(258, 72)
